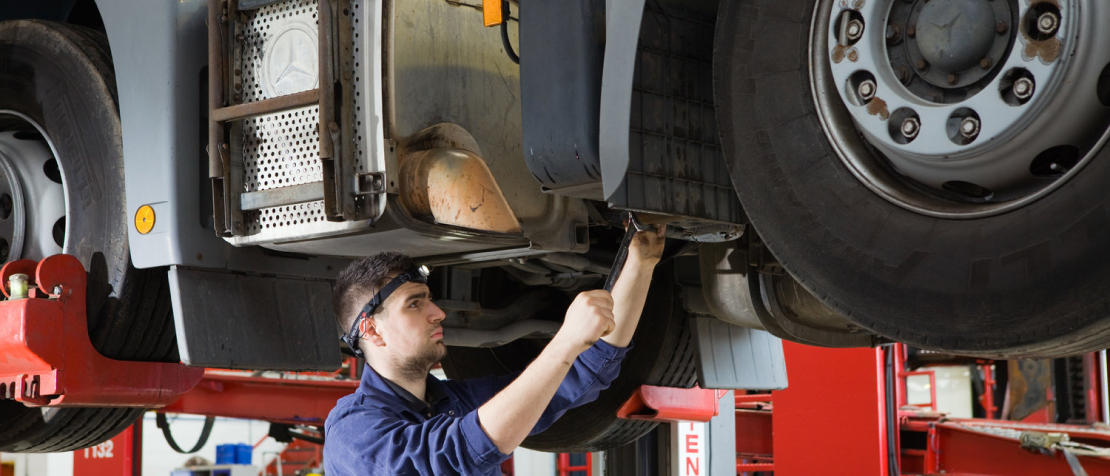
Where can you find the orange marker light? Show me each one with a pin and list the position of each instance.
(144, 219)
(491, 12)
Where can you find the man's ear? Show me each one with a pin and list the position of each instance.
(369, 330)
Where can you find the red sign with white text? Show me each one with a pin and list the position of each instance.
(119, 456)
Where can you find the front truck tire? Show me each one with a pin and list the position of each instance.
(1029, 282)
(57, 87)
(662, 354)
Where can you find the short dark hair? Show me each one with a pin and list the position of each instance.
(358, 282)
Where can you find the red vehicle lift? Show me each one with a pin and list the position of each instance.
(48, 358)
(834, 417)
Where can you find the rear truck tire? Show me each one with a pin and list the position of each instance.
(60, 138)
(989, 243)
(663, 354)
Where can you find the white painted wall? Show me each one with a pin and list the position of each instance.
(953, 390)
(533, 463)
(54, 464)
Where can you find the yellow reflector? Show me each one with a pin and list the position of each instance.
(144, 219)
(491, 12)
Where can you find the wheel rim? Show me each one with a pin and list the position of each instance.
(966, 108)
(32, 189)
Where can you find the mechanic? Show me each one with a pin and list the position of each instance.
(404, 421)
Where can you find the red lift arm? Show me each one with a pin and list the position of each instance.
(295, 401)
(46, 358)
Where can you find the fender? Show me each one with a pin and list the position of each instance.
(160, 52)
(622, 36)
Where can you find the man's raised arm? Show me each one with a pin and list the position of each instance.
(509, 416)
(630, 290)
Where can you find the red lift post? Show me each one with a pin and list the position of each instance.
(119, 456)
(832, 420)
(755, 446)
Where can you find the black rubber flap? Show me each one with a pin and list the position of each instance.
(253, 322)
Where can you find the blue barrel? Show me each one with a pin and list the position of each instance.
(225, 454)
(243, 453)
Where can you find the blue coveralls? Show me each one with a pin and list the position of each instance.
(381, 429)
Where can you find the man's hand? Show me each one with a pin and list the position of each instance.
(631, 288)
(647, 246)
(589, 318)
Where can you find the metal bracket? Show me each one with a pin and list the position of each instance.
(761, 258)
(370, 183)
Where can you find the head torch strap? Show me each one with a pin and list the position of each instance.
(416, 275)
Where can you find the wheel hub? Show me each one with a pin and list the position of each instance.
(967, 107)
(955, 35)
(952, 46)
(32, 195)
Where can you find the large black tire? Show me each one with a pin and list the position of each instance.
(1030, 282)
(663, 354)
(61, 78)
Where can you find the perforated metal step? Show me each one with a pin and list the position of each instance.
(292, 71)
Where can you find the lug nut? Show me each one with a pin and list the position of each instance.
(922, 64)
(953, 79)
(910, 128)
(1048, 23)
(969, 128)
(1023, 88)
(893, 34)
(854, 30)
(911, 31)
(903, 74)
(985, 63)
(866, 90)
(1002, 27)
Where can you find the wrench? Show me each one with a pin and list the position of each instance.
(634, 226)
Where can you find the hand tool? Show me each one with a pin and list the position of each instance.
(634, 226)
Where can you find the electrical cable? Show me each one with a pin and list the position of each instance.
(311, 439)
(204, 433)
(505, 32)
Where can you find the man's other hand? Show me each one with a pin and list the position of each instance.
(589, 318)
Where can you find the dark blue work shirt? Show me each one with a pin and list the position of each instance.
(382, 431)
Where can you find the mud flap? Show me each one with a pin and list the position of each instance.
(253, 322)
(734, 357)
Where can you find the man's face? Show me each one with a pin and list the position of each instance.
(409, 323)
